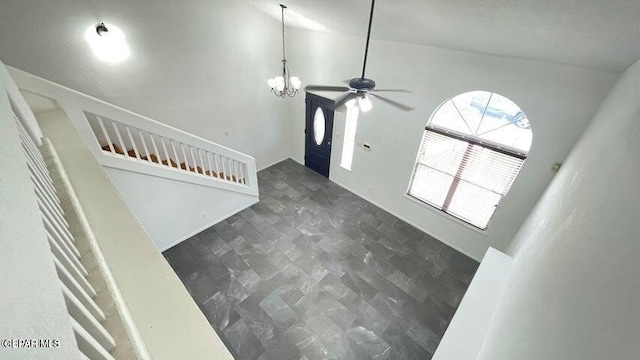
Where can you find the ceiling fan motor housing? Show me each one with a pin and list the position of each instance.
(362, 84)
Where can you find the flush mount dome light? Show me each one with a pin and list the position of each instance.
(108, 44)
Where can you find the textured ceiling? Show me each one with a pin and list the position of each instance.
(596, 34)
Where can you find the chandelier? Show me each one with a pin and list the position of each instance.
(284, 85)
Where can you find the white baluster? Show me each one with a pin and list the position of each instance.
(106, 134)
(78, 272)
(80, 314)
(215, 162)
(235, 167)
(201, 162)
(88, 344)
(46, 187)
(133, 143)
(58, 229)
(224, 168)
(54, 210)
(230, 167)
(166, 153)
(144, 146)
(117, 131)
(155, 148)
(184, 156)
(175, 153)
(78, 290)
(206, 155)
(195, 164)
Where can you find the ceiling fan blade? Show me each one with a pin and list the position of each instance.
(325, 88)
(392, 90)
(393, 103)
(343, 99)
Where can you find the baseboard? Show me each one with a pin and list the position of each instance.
(302, 163)
(210, 224)
(421, 228)
(279, 161)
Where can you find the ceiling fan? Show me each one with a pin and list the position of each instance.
(362, 88)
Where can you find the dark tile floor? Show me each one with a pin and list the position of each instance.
(313, 271)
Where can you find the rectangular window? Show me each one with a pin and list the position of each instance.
(349, 142)
(462, 177)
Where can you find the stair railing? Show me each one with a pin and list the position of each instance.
(127, 142)
(123, 140)
(57, 283)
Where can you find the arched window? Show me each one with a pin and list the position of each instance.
(471, 151)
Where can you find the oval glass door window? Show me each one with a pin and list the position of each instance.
(318, 126)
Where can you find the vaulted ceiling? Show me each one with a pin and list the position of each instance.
(595, 34)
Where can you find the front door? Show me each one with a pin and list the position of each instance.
(318, 133)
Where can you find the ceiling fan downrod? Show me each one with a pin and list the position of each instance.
(366, 49)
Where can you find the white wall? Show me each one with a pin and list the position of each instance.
(170, 210)
(199, 66)
(573, 292)
(559, 101)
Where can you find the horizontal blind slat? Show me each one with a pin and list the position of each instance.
(478, 176)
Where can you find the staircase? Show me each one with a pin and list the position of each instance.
(81, 277)
(153, 158)
(145, 146)
(146, 143)
(176, 183)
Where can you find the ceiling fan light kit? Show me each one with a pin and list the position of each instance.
(362, 88)
(284, 85)
(364, 103)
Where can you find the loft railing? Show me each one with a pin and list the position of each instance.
(82, 280)
(94, 341)
(128, 142)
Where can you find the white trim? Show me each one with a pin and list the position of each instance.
(210, 224)
(447, 215)
(419, 227)
(277, 162)
(116, 161)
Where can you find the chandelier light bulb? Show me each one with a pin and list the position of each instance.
(295, 82)
(271, 83)
(280, 84)
(364, 103)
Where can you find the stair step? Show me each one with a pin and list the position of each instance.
(116, 148)
(173, 163)
(183, 166)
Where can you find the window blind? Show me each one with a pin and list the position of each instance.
(462, 177)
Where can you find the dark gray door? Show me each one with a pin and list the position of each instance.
(318, 133)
